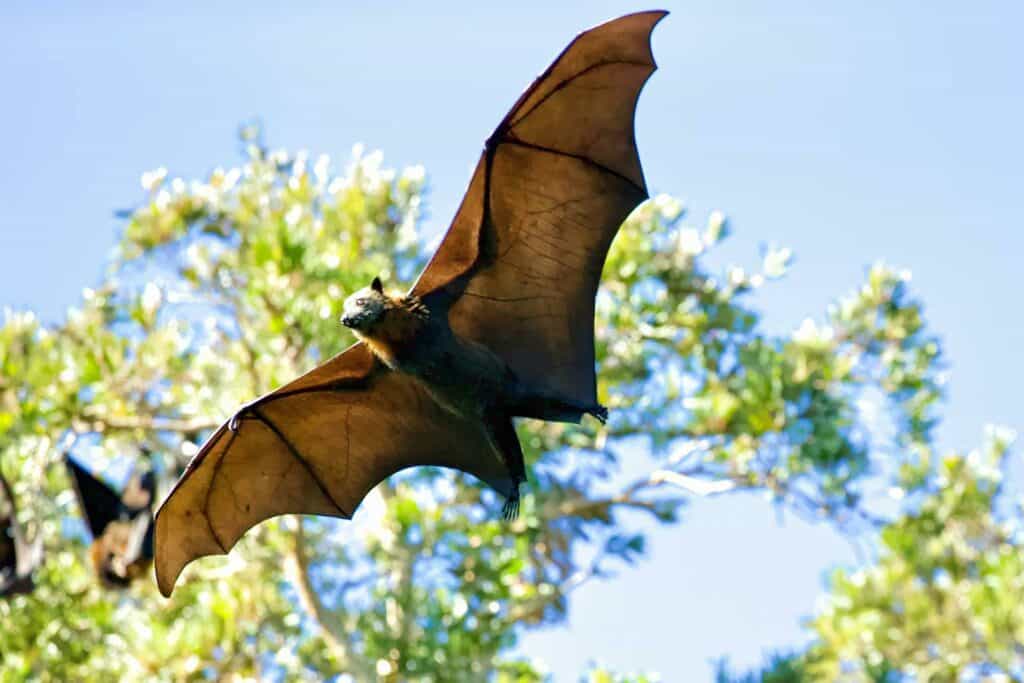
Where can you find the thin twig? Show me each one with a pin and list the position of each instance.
(309, 599)
(91, 422)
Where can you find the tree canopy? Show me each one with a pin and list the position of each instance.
(225, 287)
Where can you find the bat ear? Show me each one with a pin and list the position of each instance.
(377, 286)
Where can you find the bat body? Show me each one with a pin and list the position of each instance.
(18, 558)
(464, 377)
(406, 336)
(499, 324)
(121, 524)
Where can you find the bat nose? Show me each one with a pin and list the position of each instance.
(347, 320)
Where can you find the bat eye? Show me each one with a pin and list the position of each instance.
(360, 302)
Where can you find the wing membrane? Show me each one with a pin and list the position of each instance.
(558, 177)
(312, 448)
(100, 504)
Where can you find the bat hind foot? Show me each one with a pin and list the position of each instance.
(542, 406)
(510, 510)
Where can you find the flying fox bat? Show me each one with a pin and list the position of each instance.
(121, 524)
(500, 324)
(18, 558)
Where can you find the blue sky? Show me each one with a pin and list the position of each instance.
(847, 131)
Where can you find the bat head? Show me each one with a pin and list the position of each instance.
(107, 565)
(364, 308)
(112, 558)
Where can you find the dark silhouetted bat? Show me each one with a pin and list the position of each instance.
(121, 525)
(500, 324)
(18, 558)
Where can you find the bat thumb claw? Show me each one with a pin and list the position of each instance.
(237, 418)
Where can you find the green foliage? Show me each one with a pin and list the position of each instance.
(950, 571)
(599, 674)
(227, 287)
(781, 668)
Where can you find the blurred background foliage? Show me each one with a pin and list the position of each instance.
(223, 288)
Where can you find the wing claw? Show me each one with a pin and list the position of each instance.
(240, 414)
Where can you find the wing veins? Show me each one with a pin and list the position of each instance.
(209, 490)
(579, 157)
(561, 85)
(328, 387)
(502, 299)
(298, 456)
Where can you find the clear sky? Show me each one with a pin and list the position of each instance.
(847, 131)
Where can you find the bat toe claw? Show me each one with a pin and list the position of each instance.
(601, 413)
(510, 510)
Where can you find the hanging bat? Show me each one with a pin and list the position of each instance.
(18, 558)
(121, 524)
(500, 324)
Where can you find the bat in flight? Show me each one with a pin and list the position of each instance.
(18, 557)
(121, 524)
(499, 325)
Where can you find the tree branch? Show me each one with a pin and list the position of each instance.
(90, 422)
(695, 485)
(628, 497)
(310, 601)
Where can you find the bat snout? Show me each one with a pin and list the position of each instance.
(359, 320)
(353, 321)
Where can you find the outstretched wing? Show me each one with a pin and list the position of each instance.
(100, 504)
(524, 252)
(555, 181)
(315, 446)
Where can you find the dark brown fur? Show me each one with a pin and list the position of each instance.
(463, 376)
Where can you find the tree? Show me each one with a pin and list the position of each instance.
(224, 288)
(943, 600)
